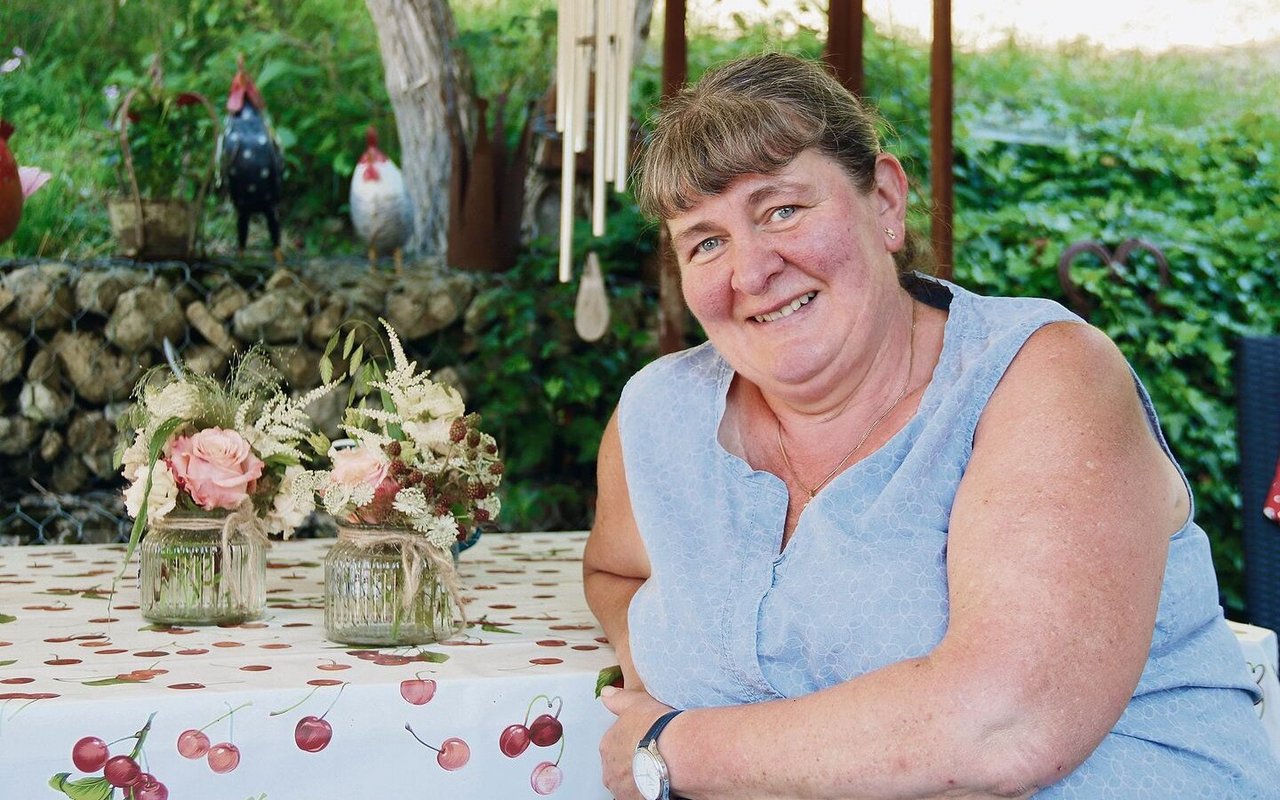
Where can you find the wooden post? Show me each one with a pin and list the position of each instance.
(671, 309)
(843, 51)
(940, 132)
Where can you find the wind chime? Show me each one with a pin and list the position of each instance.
(594, 40)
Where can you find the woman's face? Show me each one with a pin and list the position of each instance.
(791, 274)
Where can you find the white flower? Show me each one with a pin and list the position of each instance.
(411, 502)
(134, 456)
(433, 434)
(164, 491)
(177, 399)
(441, 529)
(295, 499)
(433, 400)
(490, 503)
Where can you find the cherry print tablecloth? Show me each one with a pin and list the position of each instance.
(271, 709)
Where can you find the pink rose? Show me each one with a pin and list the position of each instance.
(216, 467)
(367, 466)
(377, 510)
(360, 466)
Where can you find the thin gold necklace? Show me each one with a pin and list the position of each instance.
(906, 383)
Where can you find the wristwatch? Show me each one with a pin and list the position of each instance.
(648, 768)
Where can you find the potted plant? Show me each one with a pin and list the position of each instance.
(167, 153)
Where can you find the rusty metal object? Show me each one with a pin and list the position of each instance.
(1114, 262)
(486, 193)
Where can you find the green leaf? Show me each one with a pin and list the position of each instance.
(431, 657)
(6, 618)
(9, 662)
(489, 627)
(609, 676)
(349, 344)
(82, 788)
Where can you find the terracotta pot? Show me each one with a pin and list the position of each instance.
(10, 186)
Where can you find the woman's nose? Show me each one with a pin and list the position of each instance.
(755, 263)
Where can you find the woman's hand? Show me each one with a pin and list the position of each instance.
(636, 712)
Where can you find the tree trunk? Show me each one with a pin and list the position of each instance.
(423, 75)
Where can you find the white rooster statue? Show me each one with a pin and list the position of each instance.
(380, 207)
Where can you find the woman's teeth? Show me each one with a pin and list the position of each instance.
(786, 311)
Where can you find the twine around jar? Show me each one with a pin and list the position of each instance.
(414, 549)
(242, 521)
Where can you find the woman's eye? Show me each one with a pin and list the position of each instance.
(785, 212)
(707, 245)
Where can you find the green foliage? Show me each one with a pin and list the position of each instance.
(544, 392)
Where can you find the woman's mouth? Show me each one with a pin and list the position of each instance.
(787, 310)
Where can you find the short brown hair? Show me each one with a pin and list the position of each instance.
(753, 115)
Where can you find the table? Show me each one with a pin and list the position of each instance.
(278, 711)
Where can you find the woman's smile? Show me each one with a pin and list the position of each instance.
(787, 309)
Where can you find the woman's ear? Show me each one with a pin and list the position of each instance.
(891, 197)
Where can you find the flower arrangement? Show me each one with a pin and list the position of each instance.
(190, 443)
(415, 459)
(415, 477)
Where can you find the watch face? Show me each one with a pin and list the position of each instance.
(648, 774)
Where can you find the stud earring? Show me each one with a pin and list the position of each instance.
(890, 233)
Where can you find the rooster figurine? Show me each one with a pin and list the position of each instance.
(380, 208)
(250, 160)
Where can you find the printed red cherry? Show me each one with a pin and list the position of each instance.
(546, 778)
(147, 788)
(454, 754)
(312, 734)
(193, 744)
(89, 754)
(121, 771)
(223, 757)
(545, 730)
(514, 740)
(418, 691)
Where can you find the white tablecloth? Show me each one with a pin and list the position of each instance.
(308, 718)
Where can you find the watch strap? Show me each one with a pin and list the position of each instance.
(659, 724)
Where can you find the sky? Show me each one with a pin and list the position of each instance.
(1147, 25)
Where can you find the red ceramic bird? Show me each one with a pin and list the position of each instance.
(380, 207)
(16, 184)
(251, 161)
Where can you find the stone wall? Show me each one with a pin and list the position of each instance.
(75, 338)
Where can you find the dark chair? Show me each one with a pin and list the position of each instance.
(1258, 435)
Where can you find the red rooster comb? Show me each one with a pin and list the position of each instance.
(241, 86)
(371, 137)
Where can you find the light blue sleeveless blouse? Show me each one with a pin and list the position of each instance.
(727, 619)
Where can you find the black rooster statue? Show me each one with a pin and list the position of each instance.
(250, 160)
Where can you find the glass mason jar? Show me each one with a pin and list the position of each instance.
(364, 590)
(185, 580)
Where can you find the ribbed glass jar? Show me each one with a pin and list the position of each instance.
(364, 579)
(184, 579)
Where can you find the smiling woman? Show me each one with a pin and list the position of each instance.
(894, 537)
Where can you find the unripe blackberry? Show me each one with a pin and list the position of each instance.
(496, 468)
(458, 430)
(477, 491)
(392, 449)
(473, 439)
(481, 515)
